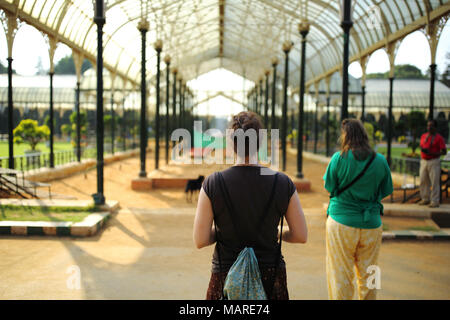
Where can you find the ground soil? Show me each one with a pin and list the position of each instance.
(146, 250)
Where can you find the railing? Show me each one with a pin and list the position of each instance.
(32, 161)
(38, 160)
(409, 166)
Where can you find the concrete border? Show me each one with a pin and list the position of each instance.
(413, 210)
(443, 234)
(88, 227)
(110, 205)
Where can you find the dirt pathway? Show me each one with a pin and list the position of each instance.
(146, 250)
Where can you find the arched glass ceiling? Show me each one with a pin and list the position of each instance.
(243, 35)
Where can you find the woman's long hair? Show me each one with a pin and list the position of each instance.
(354, 137)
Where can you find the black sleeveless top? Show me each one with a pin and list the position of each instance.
(249, 191)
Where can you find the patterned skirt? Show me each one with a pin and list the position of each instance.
(279, 291)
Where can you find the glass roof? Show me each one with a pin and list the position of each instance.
(239, 35)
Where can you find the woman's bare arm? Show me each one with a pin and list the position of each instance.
(298, 232)
(203, 234)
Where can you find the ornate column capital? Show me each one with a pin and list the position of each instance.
(167, 59)
(303, 28)
(287, 46)
(158, 45)
(275, 62)
(143, 25)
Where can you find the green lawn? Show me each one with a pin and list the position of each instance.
(397, 151)
(19, 149)
(21, 213)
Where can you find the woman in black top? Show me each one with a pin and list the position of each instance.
(249, 191)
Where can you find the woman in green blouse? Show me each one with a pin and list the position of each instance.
(357, 179)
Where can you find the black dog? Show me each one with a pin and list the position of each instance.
(193, 185)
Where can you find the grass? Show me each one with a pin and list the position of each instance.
(55, 214)
(19, 149)
(424, 228)
(398, 151)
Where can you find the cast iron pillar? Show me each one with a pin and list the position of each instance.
(389, 129)
(316, 126)
(274, 93)
(180, 84)
(327, 134)
(99, 20)
(174, 102)
(346, 25)
(256, 98)
(113, 125)
(287, 46)
(51, 123)
(77, 110)
(158, 48)
(303, 28)
(260, 106)
(432, 80)
(143, 28)
(363, 103)
(10, 116)
(266, 101)
(167, 61)
(124, 125)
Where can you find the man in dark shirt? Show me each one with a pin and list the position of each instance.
(432, 146)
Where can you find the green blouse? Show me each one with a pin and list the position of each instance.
(360, 205)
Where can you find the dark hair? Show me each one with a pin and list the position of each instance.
(246, 120)
(434, 121)
(354, 137)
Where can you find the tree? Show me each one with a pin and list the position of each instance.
(401, 71)
(28, 131)
(383, 124)
(67, 66)
(401, 126)
(83, 126)
(370, 132)
(40, 68)
(4, 69)
(65, 129)
(417, 125)
(445, 76)
(442, 125)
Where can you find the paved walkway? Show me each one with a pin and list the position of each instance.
(146, 251)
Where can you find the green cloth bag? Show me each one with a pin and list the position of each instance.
(243, 281)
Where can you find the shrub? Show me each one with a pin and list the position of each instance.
(379, 136)
(369, 129)
(30, 132)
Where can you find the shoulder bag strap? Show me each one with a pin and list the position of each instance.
(218, 245)
(278, 258)
(339, 191)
